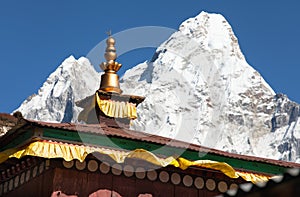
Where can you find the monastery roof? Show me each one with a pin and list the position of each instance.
(104, 129)
(97, 137)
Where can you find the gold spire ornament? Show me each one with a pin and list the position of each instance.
(110, 79)
(108, 105)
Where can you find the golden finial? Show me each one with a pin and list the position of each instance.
(110, 80)
(110, 52)
(110, 55)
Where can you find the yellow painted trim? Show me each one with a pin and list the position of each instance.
(68, 152)
(116, 109)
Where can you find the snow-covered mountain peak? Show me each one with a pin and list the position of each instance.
(213, 32)
(199, 82)
(198, 87)
(206, 49)
(73, 80)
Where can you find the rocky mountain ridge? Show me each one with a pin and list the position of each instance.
(199, 88)
(55, 101)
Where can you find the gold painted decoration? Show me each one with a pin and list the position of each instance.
(128, 170)
(175, 178)
(92, 165)
(140, 173)
(109, 85)
(187, 180)
(69, 152)
(116, 109)
(164, 176)
(199, 182)
(152, 175)
(221, 166)
(110, 79)
(222, 186)
(68, 164)
(255, 178)
(210, 184)
(104, 167)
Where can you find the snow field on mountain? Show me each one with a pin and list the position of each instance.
(199, 89)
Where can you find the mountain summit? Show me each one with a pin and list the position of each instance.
(200, 83)
(198, 87)
(73, 80)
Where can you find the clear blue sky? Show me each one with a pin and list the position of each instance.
(36, 36)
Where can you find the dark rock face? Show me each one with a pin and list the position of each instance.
(68, 114)
(287, 115)
(278, 121)
(238, 119)
(7, 121)
(284, 147)
(286, 112)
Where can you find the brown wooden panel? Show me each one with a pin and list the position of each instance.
(106, 181)
(144, 187)
(96, 181)
(93, 182)
(124, 186)
(206, 193)
(39, 186)
(163, 189)
(47, 182)
(70, 181)
(185, 191)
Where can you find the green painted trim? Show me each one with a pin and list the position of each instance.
(158, 149)
(237, 163)
(19, 140)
